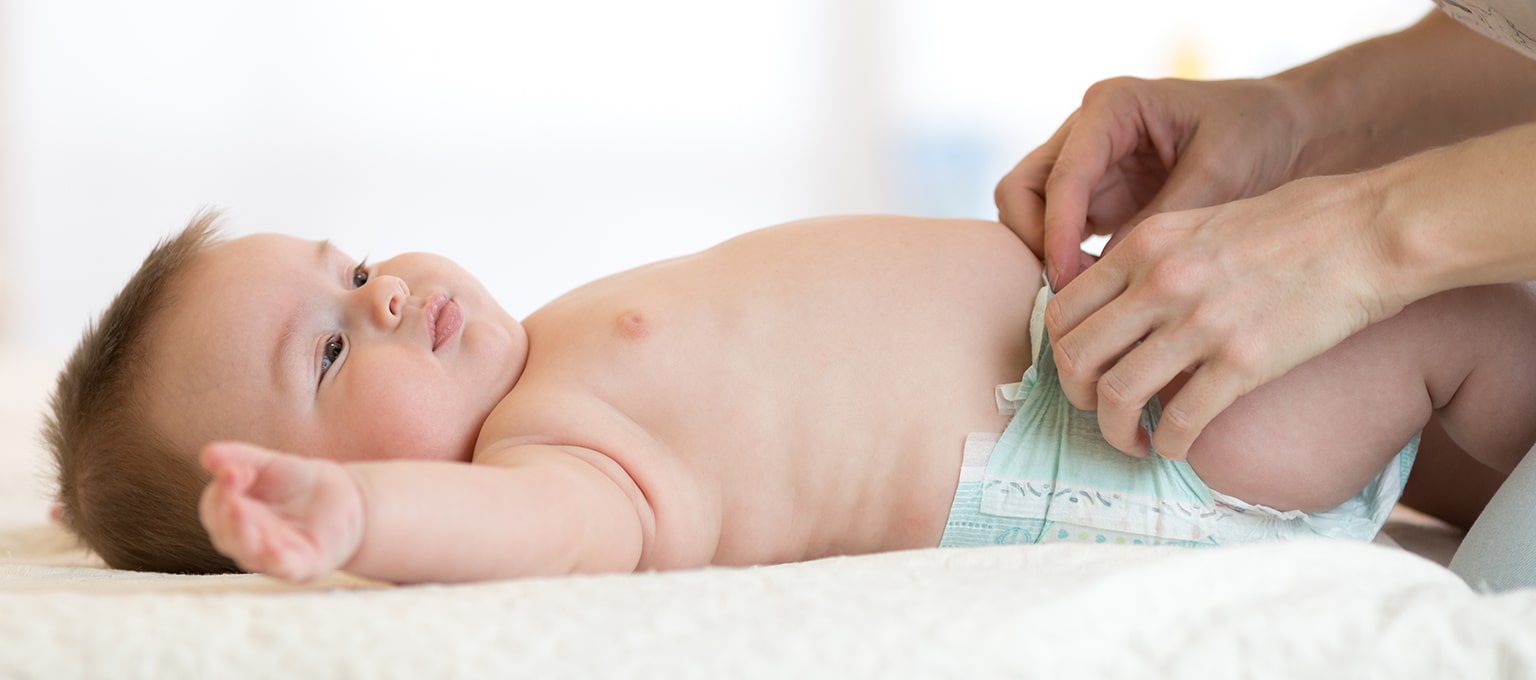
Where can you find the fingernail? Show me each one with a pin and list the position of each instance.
(1051, 276)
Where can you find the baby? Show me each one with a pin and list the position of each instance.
(805, 390)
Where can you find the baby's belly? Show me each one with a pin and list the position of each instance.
(836, 473)
(822, 389)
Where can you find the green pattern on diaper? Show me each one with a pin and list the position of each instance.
(1052, 477)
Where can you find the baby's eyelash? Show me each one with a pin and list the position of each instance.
(331, 353)
(360, 274)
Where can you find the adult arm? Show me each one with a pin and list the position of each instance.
(1242, 293)
(1136, 147)
(524, 511)
(1434, 83)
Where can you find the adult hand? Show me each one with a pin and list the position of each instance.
(1137, 148)
(1238, 293)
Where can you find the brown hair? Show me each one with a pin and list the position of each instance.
(124, 489)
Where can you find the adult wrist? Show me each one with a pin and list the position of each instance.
(1414, 258)
(1294, 107)
(1327, 140)
(1458, 215)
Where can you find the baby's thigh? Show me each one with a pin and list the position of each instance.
(1316, 436)
(1447, 482)
(1488, 406)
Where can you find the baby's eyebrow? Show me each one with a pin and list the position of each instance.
(323, 249)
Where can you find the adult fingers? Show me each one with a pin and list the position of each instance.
(1096, 287)
(1209, 392)
(1020, 195)
(1081, 164)
(1126, 388)
(1084, 350)
(1108, 128)
(1020, 208)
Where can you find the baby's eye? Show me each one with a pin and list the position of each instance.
(332, 352)
(360, 275)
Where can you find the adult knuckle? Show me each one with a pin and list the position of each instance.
(1178, 422)
(1173, 277)
(1063, 171)
(1115, 393)
(1243, 357)
(1097, 91)
(1068, 360)
(1109, 90)
(1055, 322)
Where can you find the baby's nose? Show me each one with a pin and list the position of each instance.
(389, 294)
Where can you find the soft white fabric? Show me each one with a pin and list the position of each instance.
(1300, 609)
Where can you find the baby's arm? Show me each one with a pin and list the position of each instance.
(534, 510)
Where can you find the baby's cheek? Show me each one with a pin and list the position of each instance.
(402, 418)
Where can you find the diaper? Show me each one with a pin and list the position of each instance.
(1051, 477)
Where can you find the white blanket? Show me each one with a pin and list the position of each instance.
(1311, 609)
(1316, 609)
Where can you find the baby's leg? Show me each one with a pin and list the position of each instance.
(1447, 482)
(1314, 437)
(1491, 413)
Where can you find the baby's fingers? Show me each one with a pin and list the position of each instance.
(291, 557)
(234, 464)
(226, 515)
(279, 550)
(254, 537)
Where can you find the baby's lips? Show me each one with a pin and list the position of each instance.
(444, 318)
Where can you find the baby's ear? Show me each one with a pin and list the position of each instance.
(56, 513)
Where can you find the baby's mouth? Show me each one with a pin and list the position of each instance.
(444, 318)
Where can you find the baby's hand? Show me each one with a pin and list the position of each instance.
(286, 516)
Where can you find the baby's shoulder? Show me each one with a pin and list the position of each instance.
(538, 412)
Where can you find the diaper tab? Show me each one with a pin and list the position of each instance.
(978, 449)
(1006, 395)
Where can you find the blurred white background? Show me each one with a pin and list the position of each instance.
(545, 144)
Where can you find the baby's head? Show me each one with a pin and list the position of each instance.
(273, 340)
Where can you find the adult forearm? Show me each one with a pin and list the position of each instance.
(1434, 83)
(1458, 216)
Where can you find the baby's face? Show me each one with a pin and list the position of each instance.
(291, 344)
